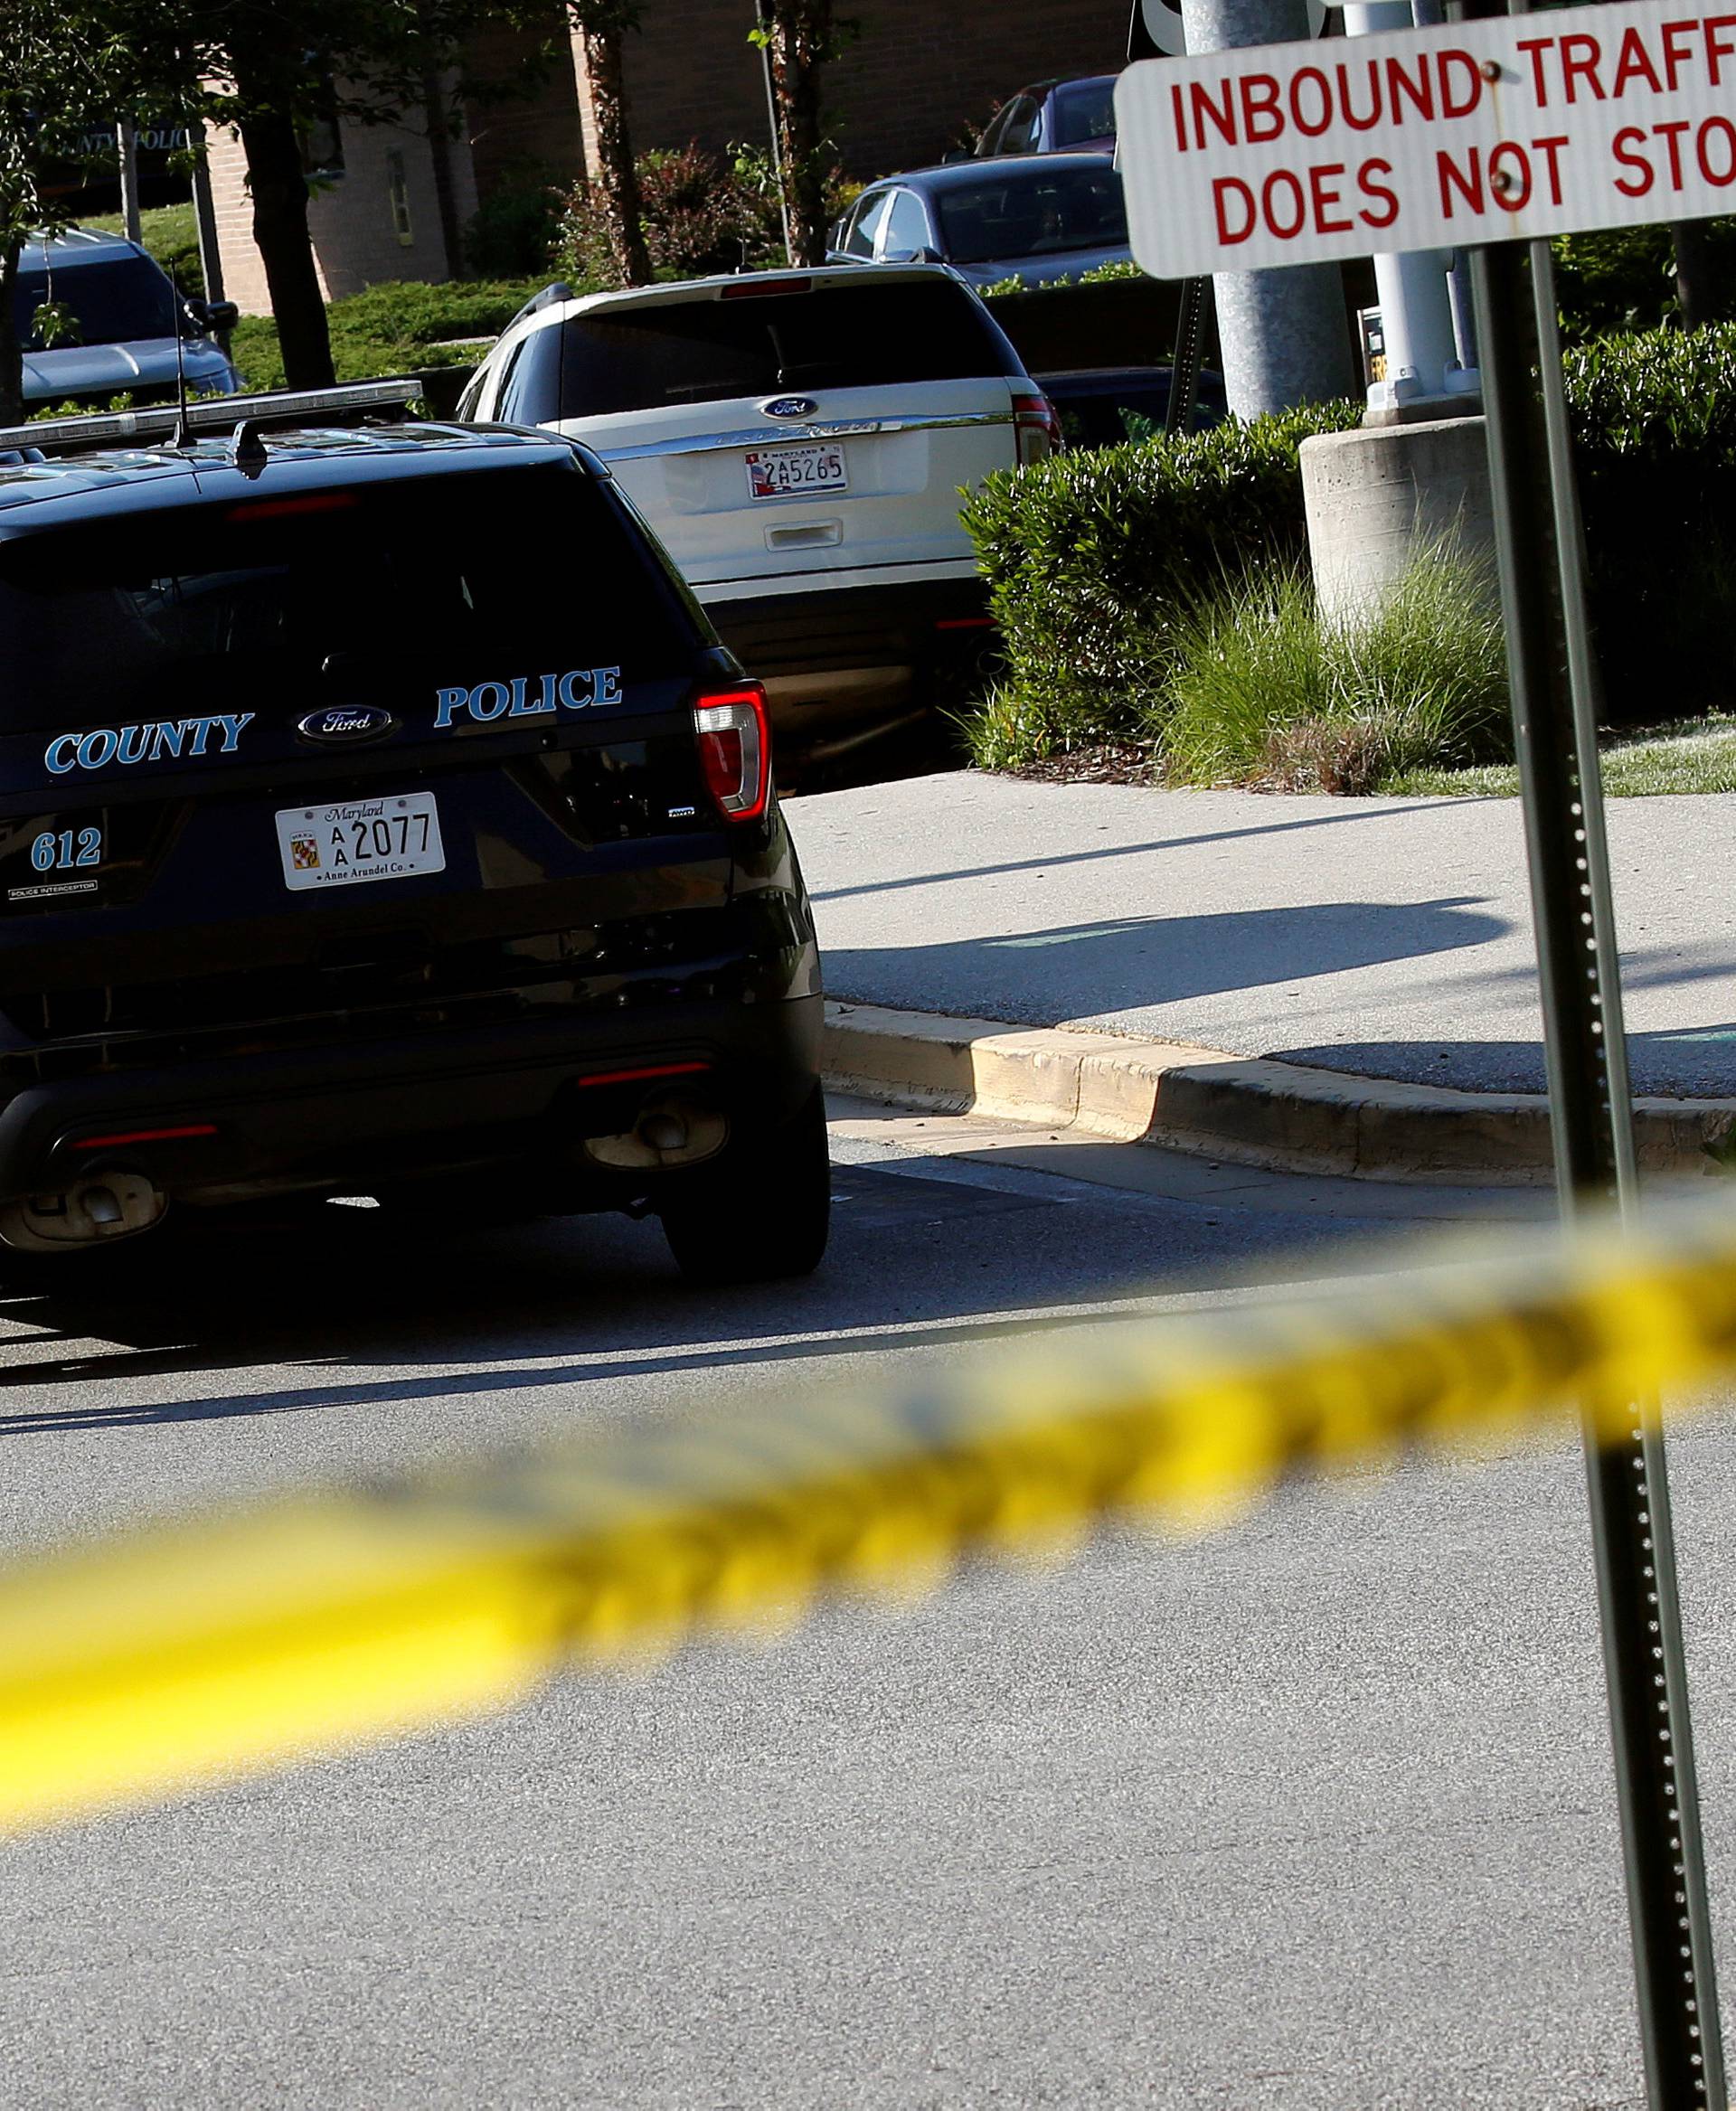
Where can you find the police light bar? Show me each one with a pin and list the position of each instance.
(344, 405)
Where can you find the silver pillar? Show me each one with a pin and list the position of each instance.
(1283, 332)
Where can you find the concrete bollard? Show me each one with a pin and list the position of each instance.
(1378, 496)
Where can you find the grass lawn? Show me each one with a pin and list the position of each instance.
(1697, 755)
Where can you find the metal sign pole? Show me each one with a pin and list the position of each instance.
(1184, 366)
(1540, 553)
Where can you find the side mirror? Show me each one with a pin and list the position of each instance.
(957, 154)
(222, 316)
(922, 256)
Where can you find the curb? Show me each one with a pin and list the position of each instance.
(1247, 1110)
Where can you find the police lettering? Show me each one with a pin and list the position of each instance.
(168, 739)
(583, 689)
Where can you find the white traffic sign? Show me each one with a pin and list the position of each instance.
(1523, 126)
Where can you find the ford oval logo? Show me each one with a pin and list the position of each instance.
(347, 722)
(791, 407)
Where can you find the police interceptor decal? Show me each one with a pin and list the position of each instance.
(582, 689)
(167, 737)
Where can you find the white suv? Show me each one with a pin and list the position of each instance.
(799, 440)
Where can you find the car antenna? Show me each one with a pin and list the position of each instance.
(183, 440)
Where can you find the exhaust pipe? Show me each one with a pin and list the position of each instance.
(97, 1210)
(670, 1131)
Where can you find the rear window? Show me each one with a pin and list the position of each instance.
(1032, 211)
(282, 603)
(703, 352)
(93, 304)
(1084, 111)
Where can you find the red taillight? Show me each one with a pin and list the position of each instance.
(277, 509)
(735, 750)
(1037, 426)
(757, 286)
(120, 1136)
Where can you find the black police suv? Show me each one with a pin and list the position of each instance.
(381, 816)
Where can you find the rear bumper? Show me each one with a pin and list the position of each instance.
(340, 1118)
(834, 659)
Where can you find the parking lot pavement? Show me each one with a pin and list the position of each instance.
(1314, 1812)
(1386, 936)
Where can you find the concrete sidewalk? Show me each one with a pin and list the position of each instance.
(1385, 937)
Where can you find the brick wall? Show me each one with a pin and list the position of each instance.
(538, 125)
(920, 78)
(356, 240)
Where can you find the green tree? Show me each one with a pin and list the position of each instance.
(601, 25)
(800, 37)
(65, 67)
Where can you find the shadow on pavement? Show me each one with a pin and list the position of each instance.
(1115, 850)
(1036, 978)
(554, 1304)
(1673, 1063)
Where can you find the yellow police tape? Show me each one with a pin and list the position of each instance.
(181, 1656)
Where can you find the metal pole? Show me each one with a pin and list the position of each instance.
(127, 152)
(1539, 548)
(1184, 366)
(1282, 332)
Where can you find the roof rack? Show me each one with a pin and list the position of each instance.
(347, 405)
(550, 297)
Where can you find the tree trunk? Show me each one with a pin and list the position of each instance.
(12, 355)
(280, 189)
(801, 35)
(615, 177)
(1698, 292)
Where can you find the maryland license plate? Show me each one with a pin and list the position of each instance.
(394, 838)
(796, 472)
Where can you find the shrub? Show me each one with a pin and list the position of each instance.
(1263, 692)
(1624, 278)
(701, 217)
(1654, 430)
(515, 230)
(391, 329)
(1090, 559)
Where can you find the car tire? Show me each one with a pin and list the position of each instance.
(760, 1211)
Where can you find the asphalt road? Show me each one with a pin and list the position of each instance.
(1313, 1813)
(1390, 937)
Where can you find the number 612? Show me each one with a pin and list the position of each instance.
(51, 853)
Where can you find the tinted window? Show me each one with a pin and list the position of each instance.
(1084, 111)
(850, 336)
(276, 605)
(869, 214)
(906, 224)
(1020, 131)
(103, 303)
(1030, 212)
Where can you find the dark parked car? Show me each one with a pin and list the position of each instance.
(1054, 116)
(1030, 218)
(97, 318)
(1101, 407)
(382, 817)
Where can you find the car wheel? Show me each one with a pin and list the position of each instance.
(761, 1210)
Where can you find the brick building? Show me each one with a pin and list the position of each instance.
(922, 77)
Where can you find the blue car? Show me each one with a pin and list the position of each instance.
(1034, 217)
(98, 317)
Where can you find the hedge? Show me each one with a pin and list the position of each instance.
(1093, 559)
(1090, 558)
